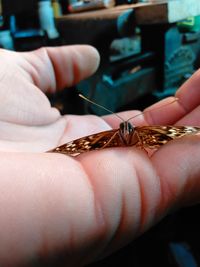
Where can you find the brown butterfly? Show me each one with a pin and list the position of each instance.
(127, 135)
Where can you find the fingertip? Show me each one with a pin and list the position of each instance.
(90, 58)
(94, 55)
(77, 62)
(189, 93)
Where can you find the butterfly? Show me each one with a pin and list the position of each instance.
(151, 137)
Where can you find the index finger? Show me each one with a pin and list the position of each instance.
(166, 111)
(188, 96)
(189, 93)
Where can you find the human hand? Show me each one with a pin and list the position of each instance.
(78, 209)
(27, 120)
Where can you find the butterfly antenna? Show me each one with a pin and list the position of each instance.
(176, 99)
(92, 102)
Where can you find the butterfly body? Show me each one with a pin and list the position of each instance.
(127, 135)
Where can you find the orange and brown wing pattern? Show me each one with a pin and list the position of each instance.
(91, 142)
(148, 136)
(156, 136)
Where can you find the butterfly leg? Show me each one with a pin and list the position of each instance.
(141, 145)
(109, 142)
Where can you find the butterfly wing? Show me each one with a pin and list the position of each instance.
(91, 142)
(156, 136)
(148, 136)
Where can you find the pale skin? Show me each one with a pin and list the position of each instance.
(80, 209)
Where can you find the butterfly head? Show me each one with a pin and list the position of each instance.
(127, 133)
(126, 128)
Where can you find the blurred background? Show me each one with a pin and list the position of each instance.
(148, 49)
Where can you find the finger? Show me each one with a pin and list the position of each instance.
(166, 111)
(191, 118)
(189, 93)
(188, 99)
(54, 68)
(115, 121)
(179, 173)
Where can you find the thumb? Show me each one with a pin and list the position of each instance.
(64, 66)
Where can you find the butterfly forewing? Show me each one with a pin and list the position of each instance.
(151, 138)
(156, 136)
(91, 142)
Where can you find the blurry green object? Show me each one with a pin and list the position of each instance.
(191, 24)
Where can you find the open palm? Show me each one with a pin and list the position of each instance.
(92, 204)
